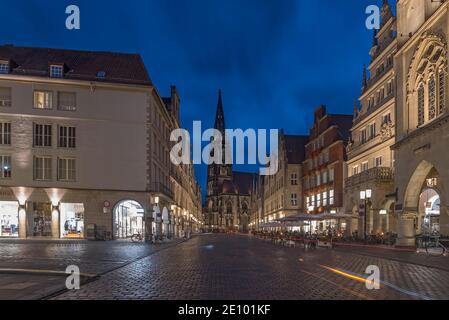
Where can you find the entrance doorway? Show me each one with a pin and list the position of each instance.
(72, 220)
(128, 219)
(39, 221)
(429, 212)
(9, 219)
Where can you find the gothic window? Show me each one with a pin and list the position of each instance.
(441, 91)
(432, 98)
(421, 105)
(229, 208)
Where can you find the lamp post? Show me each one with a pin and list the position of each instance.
(365, 196)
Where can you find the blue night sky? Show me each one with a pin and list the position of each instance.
(276, 60)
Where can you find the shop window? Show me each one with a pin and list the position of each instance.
(9, 219)
(72, 220)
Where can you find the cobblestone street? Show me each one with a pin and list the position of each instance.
(242, 267)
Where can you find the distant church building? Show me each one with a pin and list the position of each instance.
(228, 191)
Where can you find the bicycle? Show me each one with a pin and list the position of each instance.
(138, 237)
(433, 246)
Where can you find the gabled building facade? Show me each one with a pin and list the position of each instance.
(370, 164)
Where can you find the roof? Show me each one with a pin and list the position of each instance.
(295, 148)
(241, 183)
(79, 65)
(344, 123)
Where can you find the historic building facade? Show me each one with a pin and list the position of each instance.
(370, 164)
(420, 149)
(325, 156)
(84, 144)
(283, 191)
(228, 197)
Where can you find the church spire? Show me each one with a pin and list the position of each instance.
(219, 118)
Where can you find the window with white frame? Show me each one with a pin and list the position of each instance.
(318, 179)
(363, 135)
(67, 101)
(331, 174)
(313, 200)
(5, 167)
(365, 166)
(42, 135)
(318, 200)
(378, 162)
(4, 67)
(5, 133)
(324, 198)
(372, 130)
(43, 100)
(294, 179)
(331, 197)
(66, 169)
(308, 201)
(66, 137)
(324, 176)
(294, 198)
(5, 97)
(355, 170)
(42, 168)
(56, 71)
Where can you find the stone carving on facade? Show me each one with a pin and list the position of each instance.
(386, 131)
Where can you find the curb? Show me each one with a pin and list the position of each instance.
(365, 246)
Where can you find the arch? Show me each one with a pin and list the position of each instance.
(128, 218)
(416, 182)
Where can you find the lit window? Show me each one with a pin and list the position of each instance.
(331, 197)
(5, 167)
(355, 170)
(42, 168)
(56, 71)
(318, 200)
(365, 166)
(4, 67)
(324, 199)
(67, 101)
(66, 169)
(43, 100)
(5, 133)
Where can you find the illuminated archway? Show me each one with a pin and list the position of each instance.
(128, 219)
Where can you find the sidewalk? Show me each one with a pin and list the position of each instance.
(405, 255)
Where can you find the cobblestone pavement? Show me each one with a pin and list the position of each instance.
(30, 263)
(233, 267)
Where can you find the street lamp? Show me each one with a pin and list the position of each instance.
(365, 196)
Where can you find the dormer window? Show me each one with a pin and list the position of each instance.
(56, 71)
(4, 67)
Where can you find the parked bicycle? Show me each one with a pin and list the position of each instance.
(138, 237)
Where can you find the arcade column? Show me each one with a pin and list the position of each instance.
(406, 230)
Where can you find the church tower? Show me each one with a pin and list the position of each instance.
(217, 173)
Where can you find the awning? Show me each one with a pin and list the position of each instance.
(330, 216)
(271, 225)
